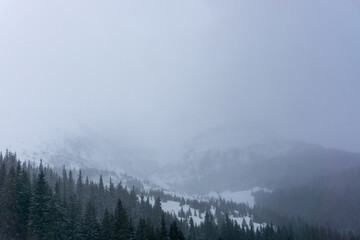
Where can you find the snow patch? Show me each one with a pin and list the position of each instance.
(245, 196)
(239, 220)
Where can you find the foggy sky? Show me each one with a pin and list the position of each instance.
(160, 72)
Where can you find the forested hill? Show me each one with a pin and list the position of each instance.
(332, 199)
(38, 203)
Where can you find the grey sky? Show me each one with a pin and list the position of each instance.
(163, 71)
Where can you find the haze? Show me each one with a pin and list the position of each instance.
(160, 72)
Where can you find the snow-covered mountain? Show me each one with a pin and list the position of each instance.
(233, 160)
(88, 151)
(224, 161)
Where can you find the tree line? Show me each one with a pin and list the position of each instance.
(38, 203)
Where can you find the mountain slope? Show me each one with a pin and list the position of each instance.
(332, 199)
(271, 163)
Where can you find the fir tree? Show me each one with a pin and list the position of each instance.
(106, 230)
(23, 189)
(192, 233)
(91, 228)
(175, 233)
(80, 188)
(163, 235)
(121, 222)
(209, 226)
(40, 208)
(10, 208)
(157, 213)
(59, 215)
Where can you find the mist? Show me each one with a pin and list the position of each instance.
(180, 119)
(156, 74)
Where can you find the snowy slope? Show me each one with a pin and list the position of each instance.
(86, 150)
(224, 161)
(245, 196)
(174, 208)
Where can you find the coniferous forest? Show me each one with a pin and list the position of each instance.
(38, 203)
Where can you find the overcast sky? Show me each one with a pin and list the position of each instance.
(163, 71)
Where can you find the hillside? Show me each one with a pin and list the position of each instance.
(39, 204)
(332, 199)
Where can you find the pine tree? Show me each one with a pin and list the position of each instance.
(251, 231)
(145, 231)
(175, 233)
(209, 226)
(80, 188)
(70, 185)
(111, 197)
(64, 185)
(101, 186)
(106, 230)
(163, 231)
(133, 205)
(2, 177)
(149, 230)
(140, 231)
(181, 213)
(23, 190)
(74, 219)
(10, 204)
(244, 225)
(121, 222)
(2, 194)
(142, 206)
(59, 214)
(91, 228)
(188, 213)
(39, 212)
(192, 233)
(157, 213)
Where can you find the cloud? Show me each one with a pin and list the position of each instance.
(161, 72)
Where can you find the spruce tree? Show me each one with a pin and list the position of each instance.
(23, 190)
(175, 233)
(140, 231)
(157, 213)
(106, 230)
(121, 222)
(59, 215)
(40, 224)
(91, 228)
(209, 226)
(10, 208)
(163, 230)
(192, 233)
(2, 195)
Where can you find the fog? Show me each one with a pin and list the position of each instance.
(158, 73)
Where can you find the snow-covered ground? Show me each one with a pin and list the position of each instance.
(239, 220)
(245, 196)
(174, 207)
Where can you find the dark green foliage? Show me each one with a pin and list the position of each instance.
(106, 227)
(59, 215)
(145, 231)
(91, 227)
(121, 222)
(175, 233)
(23, 190)
(36, 203)
(163, 234)
(40, 211)
(9, 204)
(209, 227)
(192, 232)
